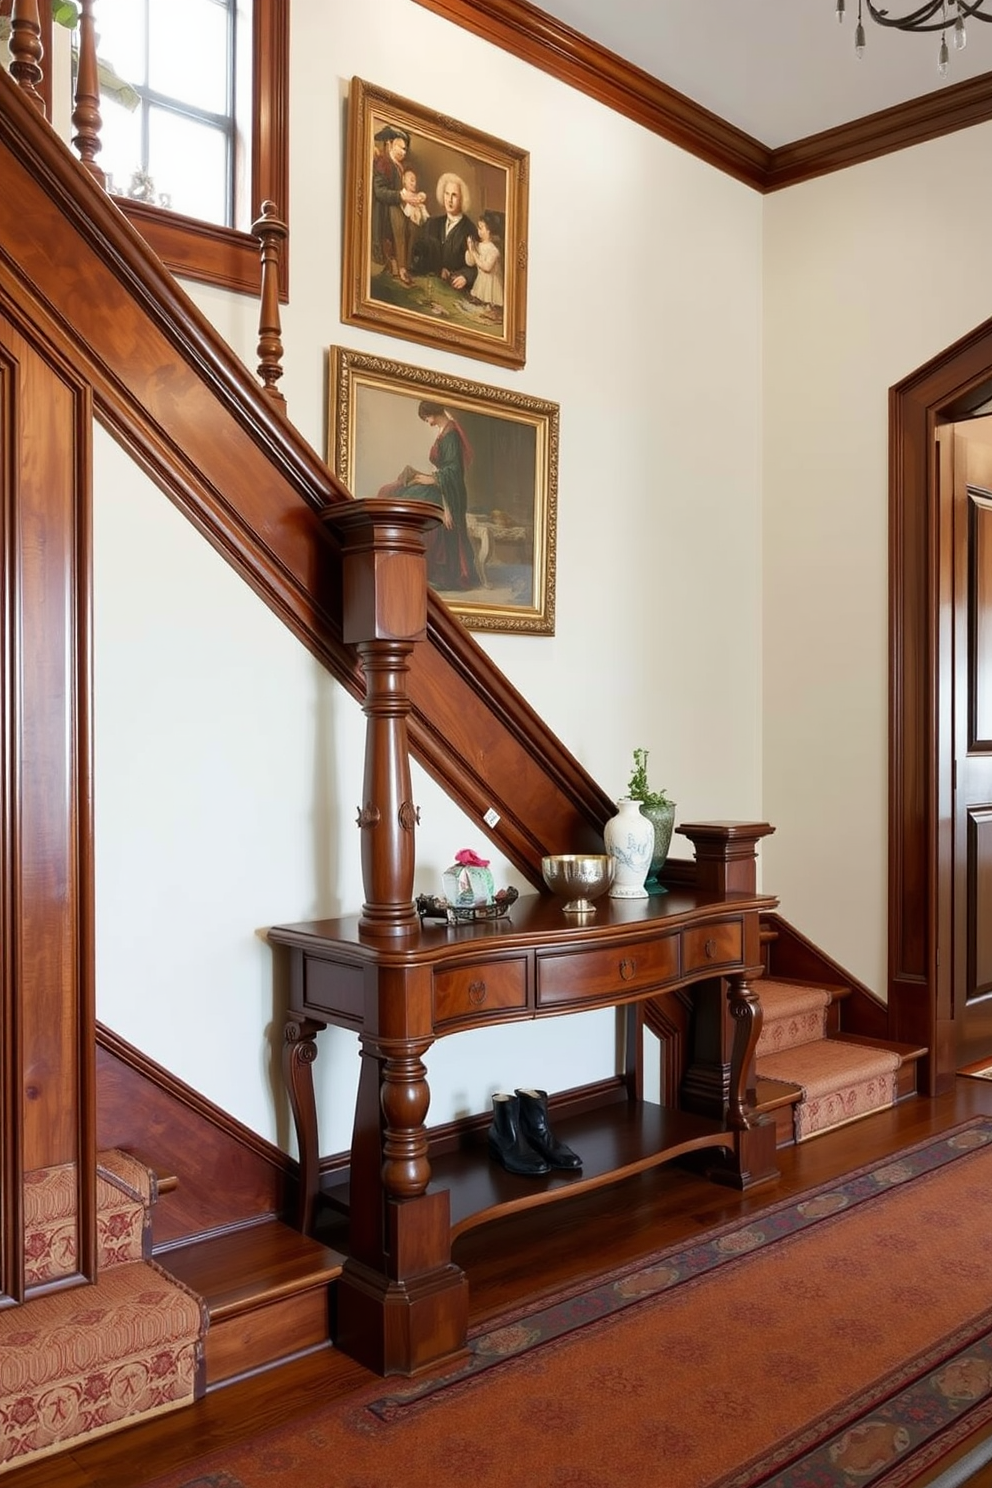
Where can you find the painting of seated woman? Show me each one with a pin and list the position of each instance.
(450, 559)
(486, 458)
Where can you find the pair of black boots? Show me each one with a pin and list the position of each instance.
(521, 1140)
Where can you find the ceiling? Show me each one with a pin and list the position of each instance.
(777, 69)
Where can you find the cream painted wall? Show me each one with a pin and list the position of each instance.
(228, 765)
(867, 275)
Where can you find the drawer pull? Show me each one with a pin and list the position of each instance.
(476, 993)
(710, 947)
(628, 969)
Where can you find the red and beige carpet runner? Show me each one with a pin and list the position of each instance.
(840, 1081)
(695, 1370)
(87, 1359)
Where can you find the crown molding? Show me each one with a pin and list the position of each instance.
(954, 107)
(535, 37)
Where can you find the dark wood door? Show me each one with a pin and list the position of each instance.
(972, 797)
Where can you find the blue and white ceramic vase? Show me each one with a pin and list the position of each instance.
(629, 840)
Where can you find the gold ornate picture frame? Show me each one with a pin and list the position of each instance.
(435, 229)
(487, 457)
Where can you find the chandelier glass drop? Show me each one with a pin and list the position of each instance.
(934, 15)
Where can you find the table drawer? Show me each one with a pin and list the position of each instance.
(716, 945)
(602, 976)
(480, 990)
(334, 990)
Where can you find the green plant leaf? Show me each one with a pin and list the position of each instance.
(638, 788)
(65, 13)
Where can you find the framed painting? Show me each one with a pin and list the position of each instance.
(435, 229)
(488, 458)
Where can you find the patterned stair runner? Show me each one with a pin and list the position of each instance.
(839, 1081)
(84, 1360)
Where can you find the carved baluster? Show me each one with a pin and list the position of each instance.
(26, 50)
(86, 118)
(271, 232)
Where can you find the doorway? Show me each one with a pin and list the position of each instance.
(971, 526)
(925, 1005)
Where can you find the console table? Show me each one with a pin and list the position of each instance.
(402, 1304)
(401, 984)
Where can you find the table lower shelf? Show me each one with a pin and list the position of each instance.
(613, 1141)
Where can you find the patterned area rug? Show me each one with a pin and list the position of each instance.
(696, 1369)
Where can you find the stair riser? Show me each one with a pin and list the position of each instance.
(265, 1335)
(785, 1133)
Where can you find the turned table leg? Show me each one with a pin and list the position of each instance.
(405, 1097)
(298, 1054)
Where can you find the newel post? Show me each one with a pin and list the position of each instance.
(384, 584)
(726, 854)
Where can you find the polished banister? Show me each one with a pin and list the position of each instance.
(176, 396)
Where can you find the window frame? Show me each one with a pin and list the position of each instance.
(227, 257)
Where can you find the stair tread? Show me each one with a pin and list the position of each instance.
(906, 1052)
(835, 990)
(243, 1268)
(771, 1093)
(816, 1065)
(166, 1181)
(141, 1300)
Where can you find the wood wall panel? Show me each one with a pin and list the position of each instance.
(980, 627)
(11, 1167)
(979, 896)
(47, 951)
(226, 1175)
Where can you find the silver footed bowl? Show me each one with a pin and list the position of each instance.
(579, 878)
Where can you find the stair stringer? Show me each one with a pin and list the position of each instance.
(792, 957)
(170, 391)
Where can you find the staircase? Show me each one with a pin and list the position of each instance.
(82, 1360)
(157, 1328)
(266, 1289)
(823, 1058)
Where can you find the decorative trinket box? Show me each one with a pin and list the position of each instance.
(468, 883)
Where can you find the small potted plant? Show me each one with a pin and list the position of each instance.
(658, 808)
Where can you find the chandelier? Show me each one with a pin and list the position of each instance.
(933, 15)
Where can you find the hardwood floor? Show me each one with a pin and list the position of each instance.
(508, 1263)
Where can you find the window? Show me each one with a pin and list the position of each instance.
(210, 80)
(167, 101)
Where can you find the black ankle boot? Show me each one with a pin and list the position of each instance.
(534, 1125)
(507, 1143)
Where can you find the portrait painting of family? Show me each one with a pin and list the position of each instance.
(487, 459)
(435, 237)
